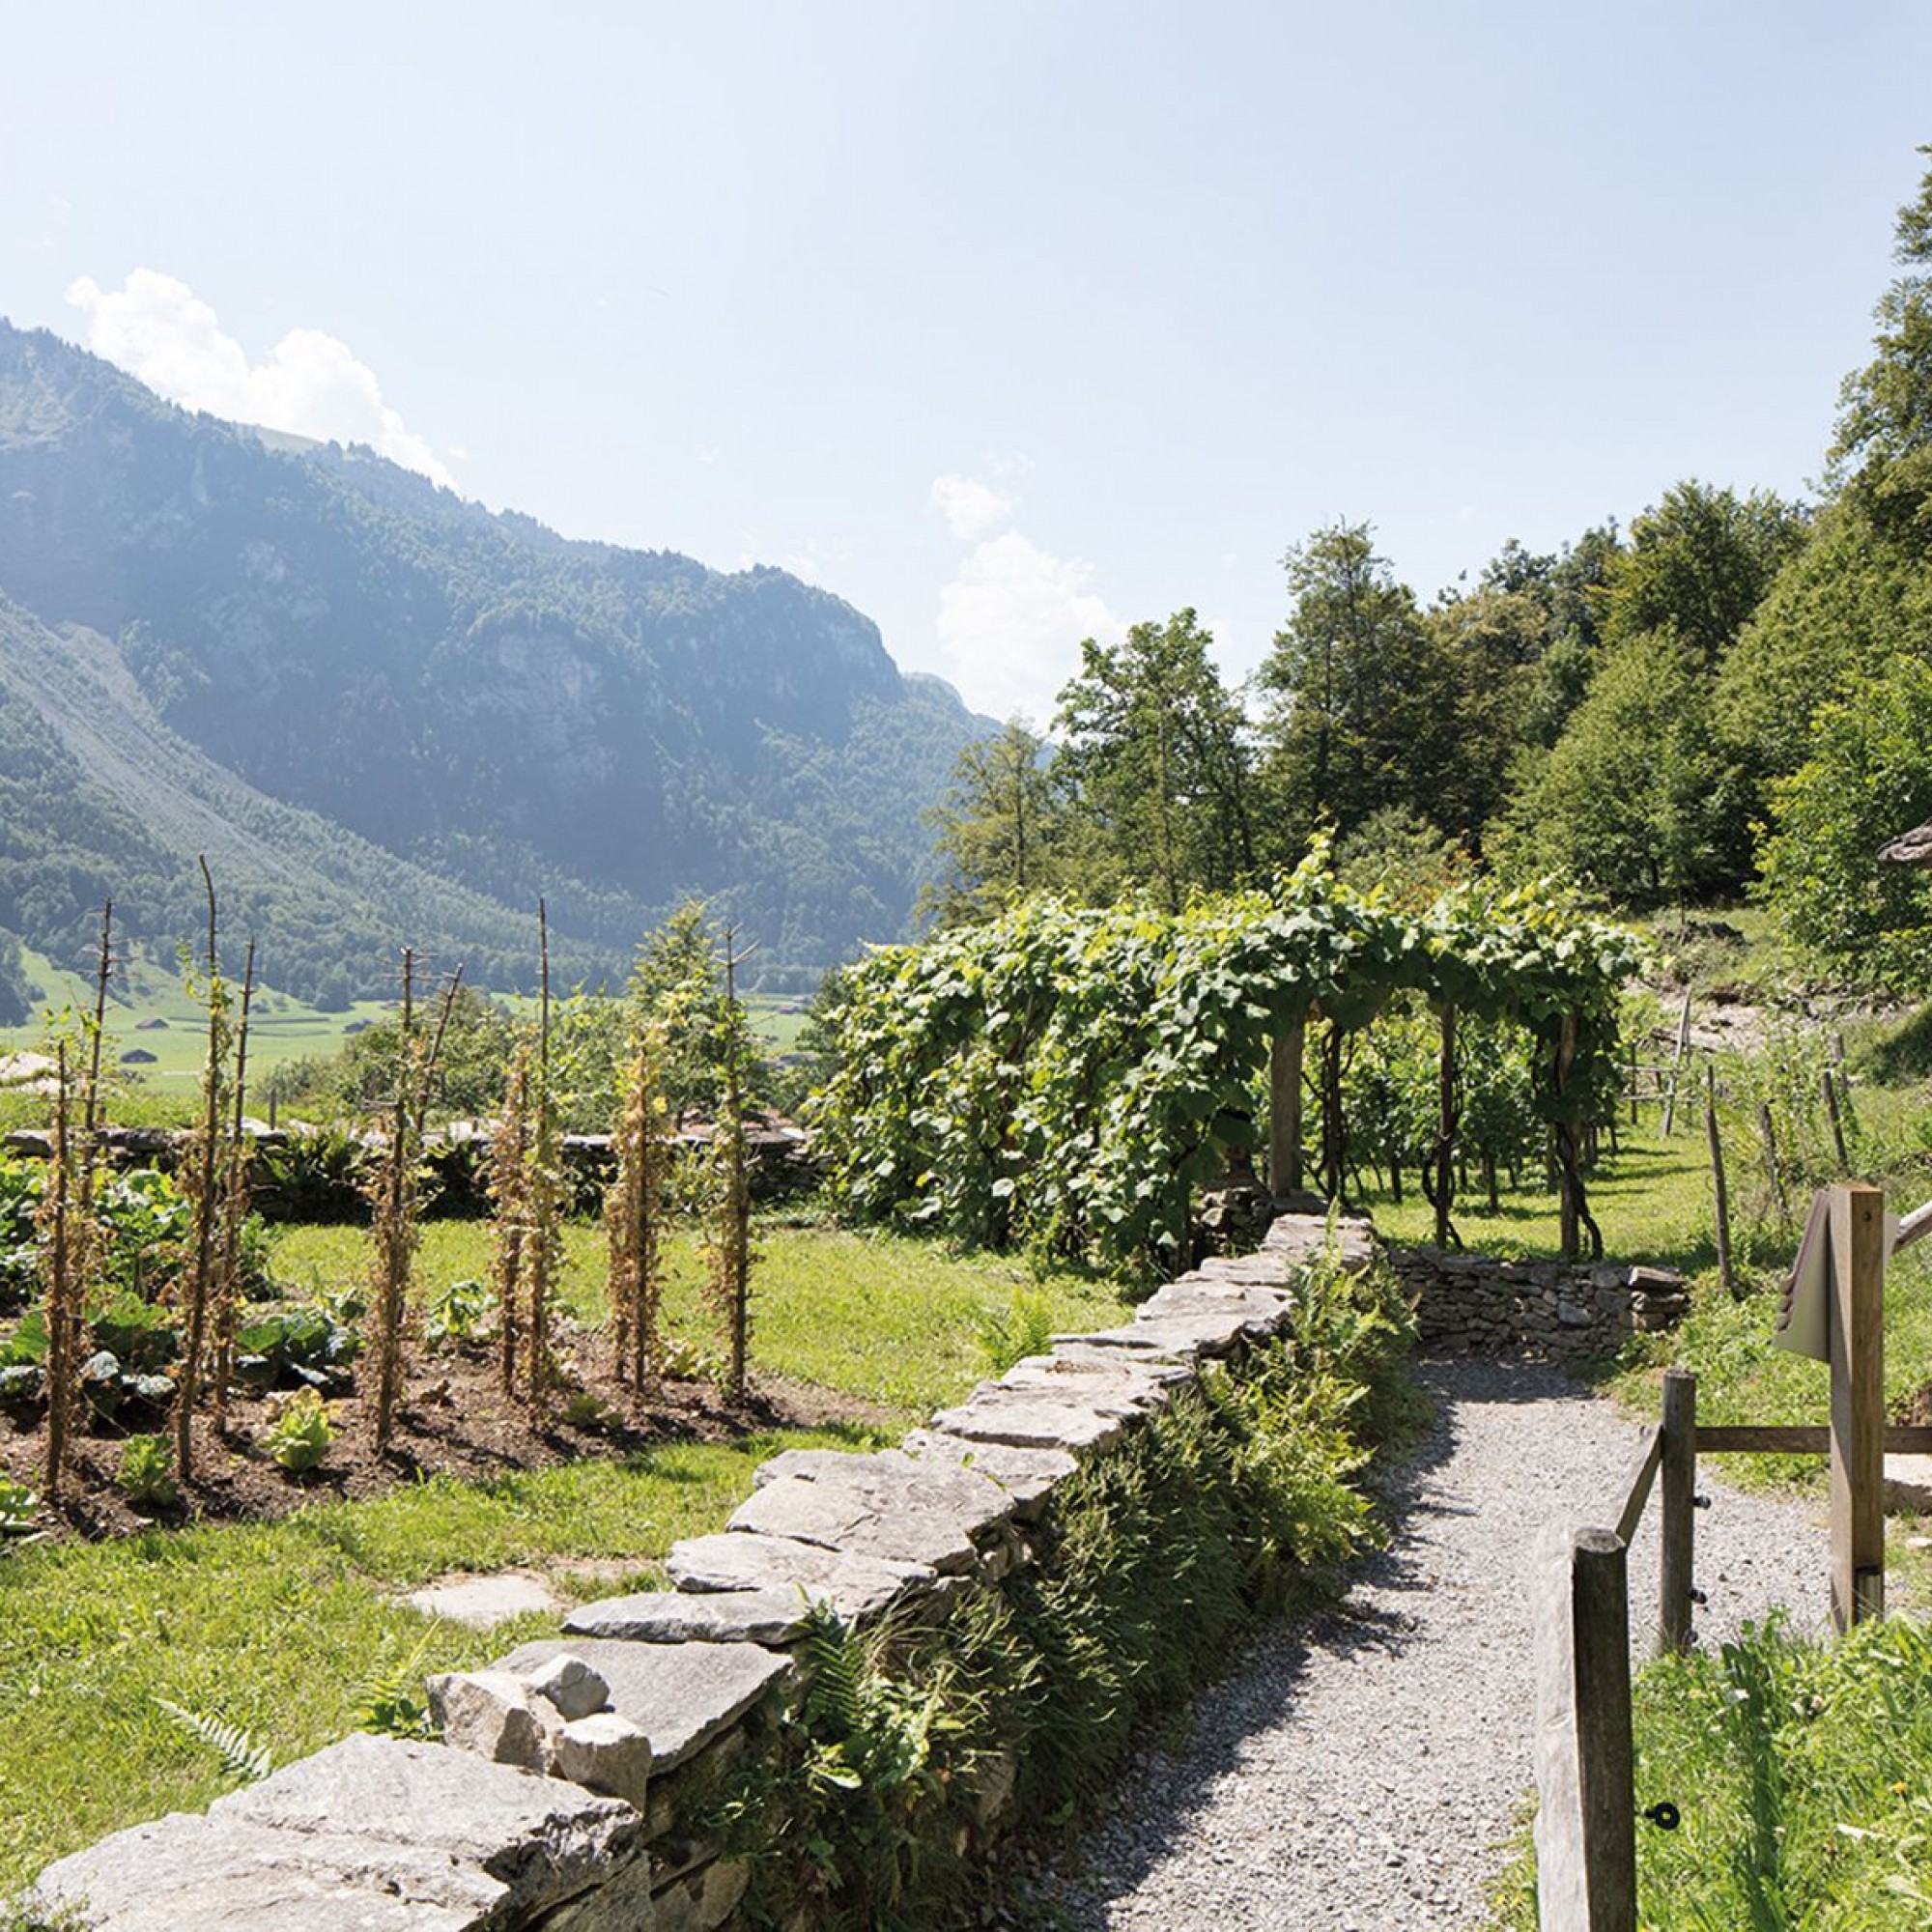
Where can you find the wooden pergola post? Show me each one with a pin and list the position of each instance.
(1285, 1109)
(1445, 1131)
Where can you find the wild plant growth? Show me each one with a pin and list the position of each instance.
(634, 1210)
(394, 1198)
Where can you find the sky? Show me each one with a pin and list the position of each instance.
(1012, 323)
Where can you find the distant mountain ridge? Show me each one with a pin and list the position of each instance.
(317, 633)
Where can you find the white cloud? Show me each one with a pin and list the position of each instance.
(972, 509)
(1011, 624)
(310, 382)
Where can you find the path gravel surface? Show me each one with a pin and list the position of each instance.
(1359, 1772)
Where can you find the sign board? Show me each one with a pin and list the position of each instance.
(1802, 1318)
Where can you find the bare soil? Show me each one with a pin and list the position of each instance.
(455, 1421)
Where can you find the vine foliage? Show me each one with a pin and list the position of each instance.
(1068, 1077)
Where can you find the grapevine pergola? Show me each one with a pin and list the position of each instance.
(1071, 1076)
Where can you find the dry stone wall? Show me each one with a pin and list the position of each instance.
(564, 1792)
(1473, 1305)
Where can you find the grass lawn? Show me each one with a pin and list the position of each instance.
(287, 1628)
(1652, 1199)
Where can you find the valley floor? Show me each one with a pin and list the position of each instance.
(1358, 1774)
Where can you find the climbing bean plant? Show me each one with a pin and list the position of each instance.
(1068, 1076)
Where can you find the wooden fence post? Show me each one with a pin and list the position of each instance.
(1837, 1119)
(1677, 1510)
(1856, 1353)
(1285, 1110)
(1445, 1128)
(1677, 1061)
(1586, 1817)
(1726, 1275)
(1771, 1160)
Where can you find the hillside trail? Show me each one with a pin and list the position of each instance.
(1358, 1771)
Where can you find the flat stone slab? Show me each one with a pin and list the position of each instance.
(771, 1617)
(1268, 1308)
(1109, 1389)
(883, 1505)
(1301, 1237)
(856, 1587)
(372, 1834)
(482, 1601)
(226, 1876)
(1162, 1368)
(836, 1518)
(1262, 1270)
(1204, 1332)
(1029, 1419)
(892, 1476)
(681, 1695)
(1028, 1475)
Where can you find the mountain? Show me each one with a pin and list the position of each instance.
(321, 665)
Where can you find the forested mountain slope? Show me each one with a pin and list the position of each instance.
(510, 710)
(99, 798)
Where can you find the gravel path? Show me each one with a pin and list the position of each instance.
(1359, 1771)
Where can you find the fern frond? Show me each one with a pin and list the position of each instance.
(239, 1754)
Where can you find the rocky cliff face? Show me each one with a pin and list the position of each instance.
(467, 690)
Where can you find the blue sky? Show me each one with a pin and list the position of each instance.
(1009, 322)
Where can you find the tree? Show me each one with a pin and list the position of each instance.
(1699, 564)
(1859, 592)
(1002, 828)
(1492, 641)
(1365, 692)
(677, 986)
(1884, 443)
(1572, 589)
(1158, 750)
(1632, 800)
(1867, 779)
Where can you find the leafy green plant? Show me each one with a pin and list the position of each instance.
(1008, 1335)
(19, 1247)
(145, 1475)
(299, 1436)
(855, 1818)
(23, 1361)
(391, 1700)
(293, 1348)
(457, 1313)
(18, 1504)
(313, 1173)
(584, 1408)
